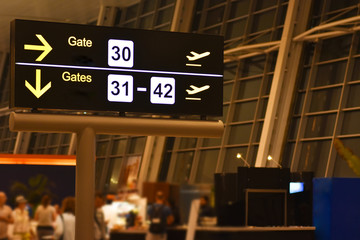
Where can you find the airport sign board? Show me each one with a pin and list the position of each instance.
(81, 67)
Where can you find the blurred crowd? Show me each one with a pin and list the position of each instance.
(48, 223)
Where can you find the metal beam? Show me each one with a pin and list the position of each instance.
(326, 26)
(115, 125)
(275, 92)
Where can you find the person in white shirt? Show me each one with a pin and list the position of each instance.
(22, 229)
(5, 217)
(45, 215)
(65, 222)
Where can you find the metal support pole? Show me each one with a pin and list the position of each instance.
(85, 184)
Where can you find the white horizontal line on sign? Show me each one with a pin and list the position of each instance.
(192, 98)
(193, 65)
(141, 89)
(118, 69)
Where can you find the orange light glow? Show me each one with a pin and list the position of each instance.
(38, 159)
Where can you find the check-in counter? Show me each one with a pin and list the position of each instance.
(225, 233)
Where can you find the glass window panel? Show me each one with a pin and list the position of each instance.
(253, 66)
(206, 167)
(333, 48)
(331, 73)
(308, 52)
(230, 71)
(235, 29)
(54, 139)
(131, 12)
(42, 139)
(163, 28)
(227, 91)
(239, 8)
(258, 130)
(263, 107)
(260, 37)
(214, 16)
(262, 4)
(323, 100)
(149, 5)
(199, 5)
(263, 21)
(137, 145)
(101, 148)
(341, 168)
(183, 167)
(320, 126)
(305, 74)
(225, 113)
(164, 16)
(196, 22)
(299, 103)
(223, 117)
(267, 84)
(354, 96)
(99, 165)
(294, 127)
(166, 2)
(215, 2)
(64, 150)
(240, 134)
(51, 151)
(103, 136)
(314, 156)
(335, 5)
(117, 17)
(350, 123)
(214, 30)
(119, 147)
(249, 88)
(147, 22)
(66, 137)
(254, 151)
(130, 24)
(356, 70)
(187, 143)
(113, 175)
(272, 57)
(231, 162)
(288, 154)
(39, 151)
(211, 142)
(244, 111)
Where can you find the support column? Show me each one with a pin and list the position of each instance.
(85, 184)
(276, 86)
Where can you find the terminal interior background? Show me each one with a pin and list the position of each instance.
(288, 91)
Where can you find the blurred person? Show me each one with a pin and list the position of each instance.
(5, 217)
(65, 222)
(22, 229)
(45, 215)
(100, 224)
(160, 217)
(205, 209)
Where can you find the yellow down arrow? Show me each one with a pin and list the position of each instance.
(46, 48)
(37, 91)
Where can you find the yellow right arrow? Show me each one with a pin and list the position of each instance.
(46, 48)
(37, 91)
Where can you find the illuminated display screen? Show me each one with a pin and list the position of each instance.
(296, 187)
(81, 67)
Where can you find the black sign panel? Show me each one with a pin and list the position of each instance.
(81, 67)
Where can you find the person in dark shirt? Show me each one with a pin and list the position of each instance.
(205, 209)
(160, 216)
